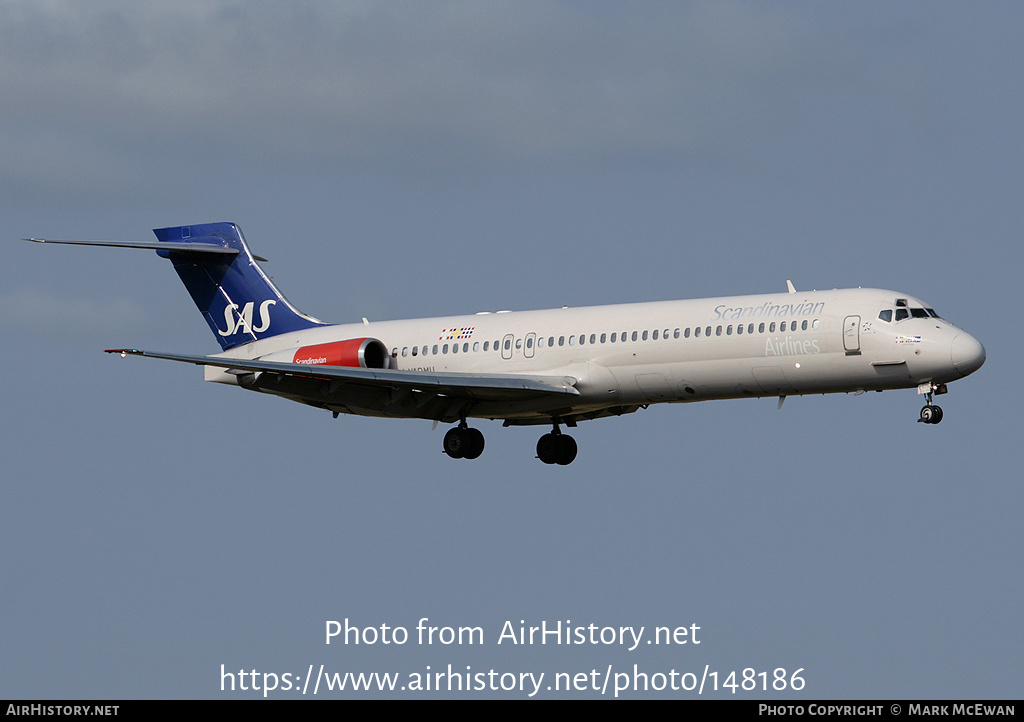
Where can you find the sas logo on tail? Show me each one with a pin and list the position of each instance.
(242, 321)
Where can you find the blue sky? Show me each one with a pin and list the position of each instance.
(415, 159)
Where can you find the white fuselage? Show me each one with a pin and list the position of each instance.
(629, 355)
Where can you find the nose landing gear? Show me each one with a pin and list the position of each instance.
(931, 414)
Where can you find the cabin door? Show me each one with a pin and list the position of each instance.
(851, 335)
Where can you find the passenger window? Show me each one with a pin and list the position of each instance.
(634, 335)
(508, 344)
(519, 343)
(771, 327)
(803, 325)
(415, 349)
(718, 331)
(613, 337)
(444, 349)
(603, 337)
(739, 329)
(686, 333)
(728, 330)
(696, 332)
(561, 340)
(655, 336)
(486, 343)
(643, 337)
(707, 331)
(455, 348)
(593, 338)
(675, 334)
(760, 328)
(529, 342)
(815, 323)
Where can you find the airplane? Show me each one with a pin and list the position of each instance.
(553, 367)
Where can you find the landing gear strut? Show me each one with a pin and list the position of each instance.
(462, 442)
(556, 448)
(930, 414)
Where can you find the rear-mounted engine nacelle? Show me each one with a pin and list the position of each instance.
(368, 353)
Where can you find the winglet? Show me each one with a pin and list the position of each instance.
(789, 285)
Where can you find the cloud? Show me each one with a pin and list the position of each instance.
(43, 313)
(329, 79)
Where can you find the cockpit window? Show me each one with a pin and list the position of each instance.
(904, 312)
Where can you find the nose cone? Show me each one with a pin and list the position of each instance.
(967, 354)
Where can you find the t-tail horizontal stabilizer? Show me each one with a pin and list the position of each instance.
(239, 302)
(151, 245)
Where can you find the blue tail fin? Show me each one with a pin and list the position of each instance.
(236, 298)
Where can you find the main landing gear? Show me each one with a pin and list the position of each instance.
(556, 448)
(931, 414)
(462, 442)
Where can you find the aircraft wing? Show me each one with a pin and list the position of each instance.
(457, 387)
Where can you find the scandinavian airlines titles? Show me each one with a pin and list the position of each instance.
(768, 310)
